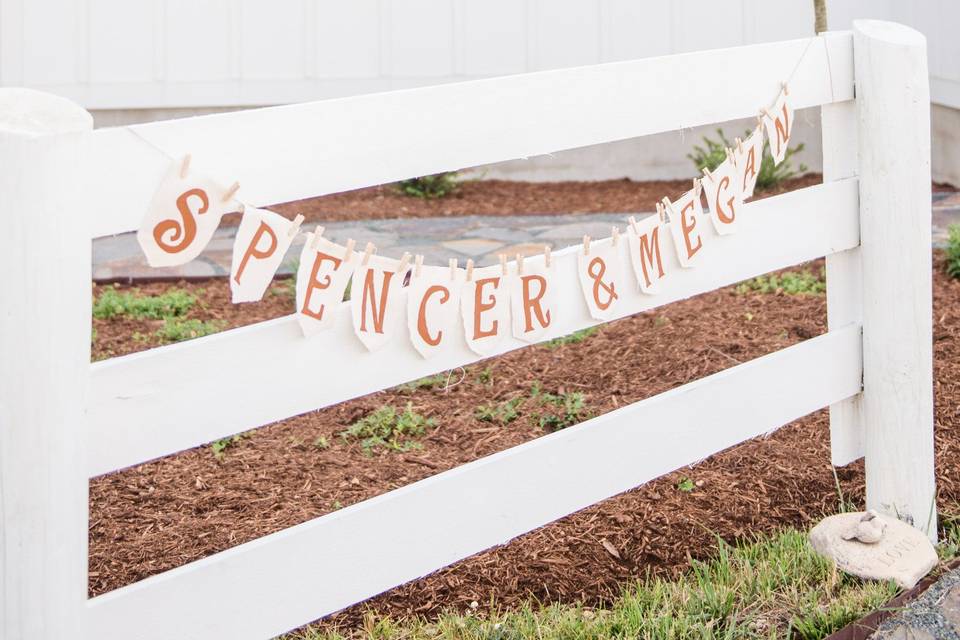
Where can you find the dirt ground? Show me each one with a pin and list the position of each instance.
(157, 516)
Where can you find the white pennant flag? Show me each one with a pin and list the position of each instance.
(182, 217)
(532, 299)
(601, 277)
(723, 197)
(748, 156)
(322, 278)
(377, 300)
(433, 307)
(779, 125)
(686, 213)
(263, 238)
(485, 304)
(645, 253)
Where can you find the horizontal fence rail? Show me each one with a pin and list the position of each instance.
(268, 586)
(286, 153)
(164, 400)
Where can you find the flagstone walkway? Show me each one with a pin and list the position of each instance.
(482, 238)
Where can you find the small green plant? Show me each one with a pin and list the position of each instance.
(713, 152)
(437, 185)
(953, 251)
(179, 329)
(386, 428)
(430, 382)
(561, 411)
(321, 443)
(502, 413)
(794, 283)
(219, 447)
(686, 485)
(174, 303)
(573, 338)
(485, 376)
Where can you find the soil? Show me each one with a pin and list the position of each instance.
(159, 515)
(503, 197)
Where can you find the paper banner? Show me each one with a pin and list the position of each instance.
(721, 187)
(263, 238)
(322, 278)
(686, 213)
(377, 301)
(601, 278)
(779, 125)
(748, 156)
(485, 304)
(645, 253)
(181, 218)
(433, 309)
(532, 299)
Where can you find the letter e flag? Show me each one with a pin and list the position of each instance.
(322, 278)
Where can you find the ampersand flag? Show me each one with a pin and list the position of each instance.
(263, 238)
(182, 217)
(598, 268)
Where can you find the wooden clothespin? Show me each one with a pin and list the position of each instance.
(697, 187)
(469, 269)
(453, 268)
(615, 234)
(404, 262)
(317, 234)
(766, 112)
(417, 265)
(783, 87)
(739, 145)
(295, 227)
(367, 252)
(351, 243)
(586, 245)
(546, 255)
(232, 191)
(185, 166)
(662, 212)
(633, 225)
(520, 264)
(503, 263)
(707, 173)
(731, 157)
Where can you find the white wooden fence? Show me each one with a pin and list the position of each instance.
(63, 420)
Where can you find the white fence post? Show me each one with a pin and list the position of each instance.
(44, 364)
(893, 117)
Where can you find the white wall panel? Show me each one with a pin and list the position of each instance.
(123, 41)
(273, 40)
(49, 26)
(420, 38)
(494, 37)
(565, 33)
(197, 40)
(631, 29)
(706, 24)
(765, 21)
(348, 39)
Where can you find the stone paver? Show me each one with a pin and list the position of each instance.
(481, 238)
(935, 614)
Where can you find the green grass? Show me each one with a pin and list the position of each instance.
(180, 329)
(389, 429)
(773, 587)
(174, 303)
(430, 382)
(953, 251)
(573, 338)
(794, 283)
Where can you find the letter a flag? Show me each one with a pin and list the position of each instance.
(322, 278)
(779, 125)
(747, 156)
(433, 308)
(723, 197)
(645, 253)
(600, 278)
(181, 218)
(377, 298)
(263, 238)
(532, 300)
(485, 303)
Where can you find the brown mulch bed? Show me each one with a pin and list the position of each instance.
(166, 513)
(504, 197)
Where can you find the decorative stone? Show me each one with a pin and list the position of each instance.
(897, 552)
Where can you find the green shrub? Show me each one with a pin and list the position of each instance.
(713, 152)
(427, 187)
(795, 283)
(111, 303)
(953, 251)
(385, 428)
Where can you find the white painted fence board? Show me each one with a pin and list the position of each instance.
(278, 582)
(291, 152)
(168, 399)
